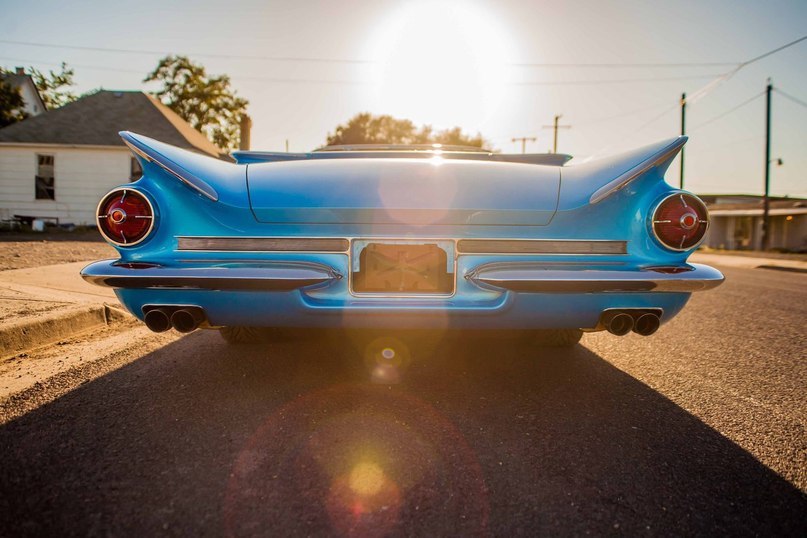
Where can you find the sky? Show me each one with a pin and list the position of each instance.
(615, 70)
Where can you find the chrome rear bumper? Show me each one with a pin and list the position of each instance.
(514, 276)
(270, 276)
(536, 278)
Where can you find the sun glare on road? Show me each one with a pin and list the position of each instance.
(441, 61)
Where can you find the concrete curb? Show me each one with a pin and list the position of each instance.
(21, 336)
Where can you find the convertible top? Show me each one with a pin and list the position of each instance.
(427, 151)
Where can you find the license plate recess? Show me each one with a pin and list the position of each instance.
(403, 267)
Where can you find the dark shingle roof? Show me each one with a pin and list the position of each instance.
(96, 119)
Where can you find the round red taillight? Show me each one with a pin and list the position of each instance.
(125, 217)
(680, 221)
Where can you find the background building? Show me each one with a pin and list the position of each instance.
(58, 165)
(34, 106)
(737, 222)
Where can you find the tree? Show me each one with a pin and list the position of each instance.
(455, 137)
(205, 101)
(54, 87)
(11, 104)
(365, 128)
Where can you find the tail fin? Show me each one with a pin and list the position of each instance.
(187, 166)
(594, 181)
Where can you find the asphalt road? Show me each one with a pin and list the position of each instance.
(699, 430)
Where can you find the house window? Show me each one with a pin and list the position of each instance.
(44, 178)
(135, 170)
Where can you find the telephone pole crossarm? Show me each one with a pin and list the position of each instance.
(555, 126)
(524, 140)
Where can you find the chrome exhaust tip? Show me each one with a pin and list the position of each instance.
(157, 320)
(646, 324)
(619, 324)
(187, 320)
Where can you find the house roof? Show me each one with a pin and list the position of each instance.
(796, 203)
(97, 118)
(20, 79)
(796, 206)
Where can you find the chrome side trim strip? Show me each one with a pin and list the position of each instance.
(535, 278)
(142, 150)
(540, 246)
(277, 276)
(624, 179)
(341, 245)
(263, 244)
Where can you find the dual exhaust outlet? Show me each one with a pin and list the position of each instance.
(621, 322)
(184, 319)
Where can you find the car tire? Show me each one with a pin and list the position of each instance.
(242, 335)
(557, 337)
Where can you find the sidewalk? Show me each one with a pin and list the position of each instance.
(43, 305)
(749, 262)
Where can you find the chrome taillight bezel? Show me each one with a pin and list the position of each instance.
(652, 221)
(152, 219)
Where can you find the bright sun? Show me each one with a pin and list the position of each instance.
(442, 63)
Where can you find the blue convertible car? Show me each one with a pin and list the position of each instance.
(403, 237)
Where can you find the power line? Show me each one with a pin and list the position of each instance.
(588, 82)
(774, 51)
(656, 118)
(788, 96)
(201, 54)
(714, 84)
(591, 82)
(80, 66)
(622, 115)
(354, 61)
(727, 112)
(239, 77)
(702, 92)
(642, 127)
(626, 65)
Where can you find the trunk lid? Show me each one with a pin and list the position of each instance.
(403, 191)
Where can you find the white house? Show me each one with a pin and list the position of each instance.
(33, 104)
(59, 164)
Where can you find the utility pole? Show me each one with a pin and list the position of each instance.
(524, 140)
(287, 145)
(683, 132)
(766, 208)
(555, 127)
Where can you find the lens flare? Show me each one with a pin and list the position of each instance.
(366, 478)
(387, 358)
(358, 461)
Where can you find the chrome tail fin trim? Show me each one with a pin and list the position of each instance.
(149, 154)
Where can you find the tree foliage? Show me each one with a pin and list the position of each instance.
(11, 104)
(205, 101)
(54, 88)
(366, 128)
